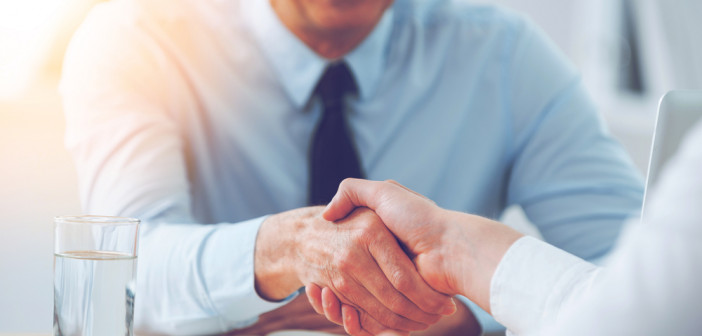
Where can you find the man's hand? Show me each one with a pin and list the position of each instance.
(360, 261)
(422, 226)
(296, 315)
(456, 253)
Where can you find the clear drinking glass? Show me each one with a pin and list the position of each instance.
(95, 260)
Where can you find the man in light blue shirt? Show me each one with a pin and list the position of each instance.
(202, 112)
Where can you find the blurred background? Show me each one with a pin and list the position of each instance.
(629, 52)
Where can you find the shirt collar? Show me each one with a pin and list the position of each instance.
(299, 68)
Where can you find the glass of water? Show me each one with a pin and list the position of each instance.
(95, 260)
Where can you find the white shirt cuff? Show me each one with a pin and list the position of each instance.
(229, 274)
(533, 281)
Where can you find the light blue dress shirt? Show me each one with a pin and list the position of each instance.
(196, 117)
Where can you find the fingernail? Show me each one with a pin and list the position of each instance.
(450, 308)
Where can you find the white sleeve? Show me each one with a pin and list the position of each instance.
(128, 151)
(652, 286)
(533, 282)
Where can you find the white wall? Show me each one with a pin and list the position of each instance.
(37, 182)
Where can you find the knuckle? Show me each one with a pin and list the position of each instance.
(343, 265)
(364, 222)
(369, 235)
(365, 237)
(345, 183)
(360, 238)
(344, 261)
(402, 283)
(342, 284)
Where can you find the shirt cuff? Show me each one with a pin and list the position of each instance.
(228, 270)
(532, 283)
(486, 321)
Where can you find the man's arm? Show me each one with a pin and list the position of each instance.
(124, 136)
(573, 180)
(122, 110)
(360, 261)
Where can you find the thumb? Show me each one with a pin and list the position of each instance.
(352, 193)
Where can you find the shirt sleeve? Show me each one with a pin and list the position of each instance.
(576, 184)
(652, 284)
(548, 278)
(122, 130)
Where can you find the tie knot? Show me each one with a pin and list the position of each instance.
(336, 82)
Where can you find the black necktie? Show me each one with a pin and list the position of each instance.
(333, 156)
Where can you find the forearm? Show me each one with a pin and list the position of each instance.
(474, 248)
(522, 282)
(195, 278)
(534, 282)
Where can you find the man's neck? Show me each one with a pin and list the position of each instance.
(327, 44)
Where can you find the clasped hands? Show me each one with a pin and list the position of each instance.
(378, 257)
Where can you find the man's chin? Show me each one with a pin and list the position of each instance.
(340, 15)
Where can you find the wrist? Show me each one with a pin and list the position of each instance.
(454, 250)
(274, 257)
(478, 244)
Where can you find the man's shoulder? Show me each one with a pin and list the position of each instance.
(156, 26)
(161, 14)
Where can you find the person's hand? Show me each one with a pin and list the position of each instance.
(296, 315)
(456, 253)
(422, 226)
(462, 323)
(359, 260)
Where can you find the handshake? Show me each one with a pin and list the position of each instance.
(380, 257)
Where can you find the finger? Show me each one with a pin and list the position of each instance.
(352, 193)
(332, 306)
(404, 278)
(369, 324)
(350, 291)
(365, 285)
(355, 193)
(311, 321)
(354, 326)
(348, 314)
(352, 323)
(378, 280)
(314, 296)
